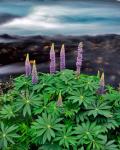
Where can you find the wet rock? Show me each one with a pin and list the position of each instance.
(101, 52)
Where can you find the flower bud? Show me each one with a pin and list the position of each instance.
(34, 73)
(52, 60)
(27, 66)
(62, 58)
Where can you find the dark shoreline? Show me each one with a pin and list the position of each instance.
(101, 52)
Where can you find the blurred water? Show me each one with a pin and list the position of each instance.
(61, 17)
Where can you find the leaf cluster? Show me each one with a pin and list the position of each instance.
(30, 117)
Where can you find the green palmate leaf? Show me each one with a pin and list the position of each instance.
(68, 123)
(70, 110)
(82, 148)
(81, 97)
(95, 144)
(99, 108)
(110, 89)
(26, 101)
(110, 123)
(82, 116)
(113, 97)
(44, 105)
(7, 98)
(78, 148)
(7, 135)
(50, 108)
(66, 81)
(35, 140)
(46, 126)
(51, 90)
(64, 87)
(25, 134)
(118, 141)
(46, 80)
(66, 137)
(88, 132)
(89, 83)
(101, 119)
(7, 112)
(47, 84)
(22, 82)
(19, 146)
(52, 146)
(117, 114)
(109, 145)
(66, 76)
(54, 109)
(43, 108)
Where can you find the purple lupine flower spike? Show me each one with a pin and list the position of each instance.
(101, 89)
(34, 73)
(79, 58)
(27, 66)
(52, 60)
(62, 58)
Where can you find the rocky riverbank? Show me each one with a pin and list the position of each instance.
(100, 53)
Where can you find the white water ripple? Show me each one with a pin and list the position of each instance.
(82, 18)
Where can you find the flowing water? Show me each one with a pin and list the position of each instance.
(50, 17)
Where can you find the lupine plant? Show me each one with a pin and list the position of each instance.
(27, 66)
(79, 58)
(60, 111)
(62, 58)
(52, 60)
(102, 83)
(34, 73)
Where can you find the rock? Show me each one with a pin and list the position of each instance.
(101, 52)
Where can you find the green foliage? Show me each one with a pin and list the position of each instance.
(110, 145)
(99, 108)
(89, 133)
(50, 147)
(30, 117)
(25, 101)
(7, 112)
(81, 97)
(45, 127)
(66, 137)
(7, 135)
